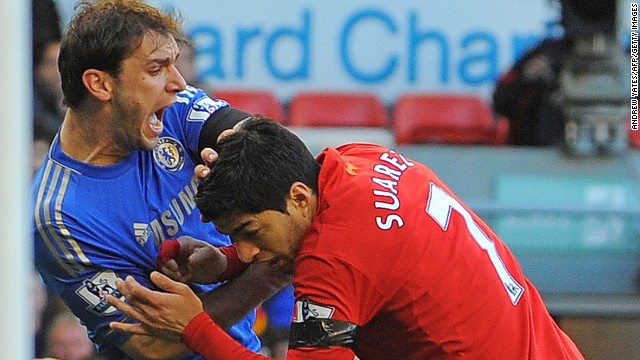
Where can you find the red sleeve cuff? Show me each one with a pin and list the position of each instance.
(198, 331)
(169, 249)
(207, 338)
(234, 266)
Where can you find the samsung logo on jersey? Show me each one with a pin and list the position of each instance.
(169, 154)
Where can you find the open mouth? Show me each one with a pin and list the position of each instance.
(158, 116)
(155, 123)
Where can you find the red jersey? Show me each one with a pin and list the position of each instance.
(392, 250)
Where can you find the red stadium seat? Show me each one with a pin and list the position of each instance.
(446, 118)
(253, 101)
(501, 136)
(337, 109)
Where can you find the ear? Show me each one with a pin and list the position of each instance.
(99, 84)
(302, 196)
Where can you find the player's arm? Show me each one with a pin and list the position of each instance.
(205, 337)
(187, 259)
(177, 313)
(222, 119)
(232, 301)
(141, 347)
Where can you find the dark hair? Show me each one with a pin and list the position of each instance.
(45, 27)
(102, 34)
(255, 170)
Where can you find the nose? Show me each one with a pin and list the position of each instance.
(176, 82)
(247, 251)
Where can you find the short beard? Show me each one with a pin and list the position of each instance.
(125, 136)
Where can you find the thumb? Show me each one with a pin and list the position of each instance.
(199, 257)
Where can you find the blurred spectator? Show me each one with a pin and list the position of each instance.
(67, 339)
(47, 90)
(528, 95)
(47, 307)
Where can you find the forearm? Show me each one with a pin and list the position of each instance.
(232, 301)
(141, 347)
(222, 119)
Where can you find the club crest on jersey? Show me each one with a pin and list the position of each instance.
(351, 169)
(305, 309)
(169, 154)
(94, 292)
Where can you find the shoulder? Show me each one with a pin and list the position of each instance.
(196, 105)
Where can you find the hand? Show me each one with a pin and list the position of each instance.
(210, 156)
(195, 261)
(160, 314)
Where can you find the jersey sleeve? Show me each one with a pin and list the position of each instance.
(188, 116)
(331, 288)
(339, 289)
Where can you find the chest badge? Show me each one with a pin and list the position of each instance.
(169, 154)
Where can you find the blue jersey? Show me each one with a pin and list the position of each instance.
(93, 224)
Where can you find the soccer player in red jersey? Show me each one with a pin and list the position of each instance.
(388, 263)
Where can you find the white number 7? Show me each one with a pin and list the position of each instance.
(439, 207)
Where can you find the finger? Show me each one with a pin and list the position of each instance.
(130, 328)
(166, 284)
(224, 134)
(135, 293)
(177, 275)
(171, 272)
(123, 287)
(200, 257)
(208, 155)
(124, 308)
(201, 171)
(171, 266)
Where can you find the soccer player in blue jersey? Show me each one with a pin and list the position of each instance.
(119, 177)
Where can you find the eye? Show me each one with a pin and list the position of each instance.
(248, 235)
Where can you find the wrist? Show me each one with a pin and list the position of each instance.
(234, 266)
(192, 334)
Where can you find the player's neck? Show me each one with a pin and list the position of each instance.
(83, 140)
